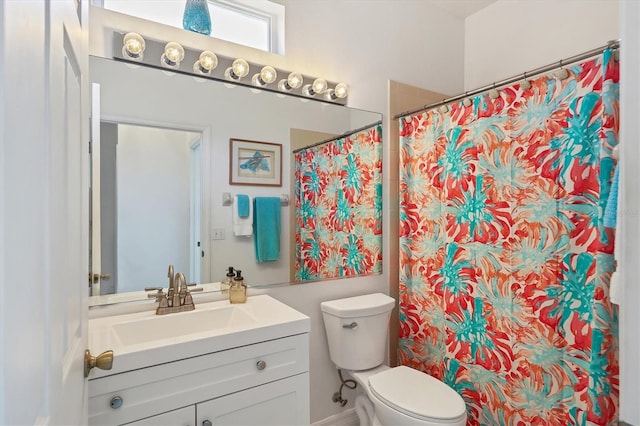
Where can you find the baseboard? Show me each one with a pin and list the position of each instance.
(345, 418)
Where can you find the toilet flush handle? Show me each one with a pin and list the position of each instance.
(351, 326)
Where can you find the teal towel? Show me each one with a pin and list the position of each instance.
(243, 205)
(611, 210)
(266, 228)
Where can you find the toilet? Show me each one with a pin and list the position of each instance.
(357, 330)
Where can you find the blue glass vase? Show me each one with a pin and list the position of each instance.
(196, 17)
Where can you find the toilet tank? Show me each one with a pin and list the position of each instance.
(357, 330)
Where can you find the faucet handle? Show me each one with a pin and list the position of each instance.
(158, 296)
(188, 300)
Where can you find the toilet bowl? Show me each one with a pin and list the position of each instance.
(357, 330)
(404, 396)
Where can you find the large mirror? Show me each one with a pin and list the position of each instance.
(164, 166)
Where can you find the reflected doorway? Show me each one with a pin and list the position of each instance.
(150, 206)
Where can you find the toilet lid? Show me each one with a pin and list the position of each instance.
(417, 394)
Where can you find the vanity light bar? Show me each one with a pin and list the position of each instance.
(133, 47)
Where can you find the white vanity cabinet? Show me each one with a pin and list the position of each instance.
(263, 383)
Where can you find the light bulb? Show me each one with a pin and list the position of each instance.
(133, 46)
(173, 55)
(268, 74)
(341, 90)
(205, 63)
(240, 68)
(284, 86)
(174, 52)
(307, 90)
(294, 80)
(319, 85)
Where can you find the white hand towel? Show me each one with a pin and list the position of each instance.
(242, 226)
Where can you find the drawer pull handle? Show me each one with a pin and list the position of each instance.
(261, 365)
(116, 402)
(207, 423)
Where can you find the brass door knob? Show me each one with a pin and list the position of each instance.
(104, 361)
(98, 277)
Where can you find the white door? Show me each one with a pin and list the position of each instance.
(43, 214)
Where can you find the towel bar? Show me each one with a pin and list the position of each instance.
(227, 199)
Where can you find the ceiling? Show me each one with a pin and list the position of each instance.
(461, 8)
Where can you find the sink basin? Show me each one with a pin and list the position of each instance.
(143, 339)
(171, 326)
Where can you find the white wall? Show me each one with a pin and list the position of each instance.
(153, 205)
(510, 37)
(364, 44)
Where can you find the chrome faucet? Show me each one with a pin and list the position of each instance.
(178, 297)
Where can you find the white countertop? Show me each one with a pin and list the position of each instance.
(265, 319)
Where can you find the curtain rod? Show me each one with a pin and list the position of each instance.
(335, 138)
(613, 44)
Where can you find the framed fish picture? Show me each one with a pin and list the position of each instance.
(255, 163)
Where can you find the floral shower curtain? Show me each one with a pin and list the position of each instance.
(504, 260)
(338, 196)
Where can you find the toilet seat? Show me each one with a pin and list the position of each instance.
(417, 394)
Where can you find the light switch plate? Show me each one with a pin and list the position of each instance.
(217, 234)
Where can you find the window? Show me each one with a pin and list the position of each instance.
(258, 24)
(254, 23)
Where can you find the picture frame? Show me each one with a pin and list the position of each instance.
(255, 163)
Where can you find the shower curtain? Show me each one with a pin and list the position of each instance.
(504, 259)
(338, 196)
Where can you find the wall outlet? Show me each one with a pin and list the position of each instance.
(217, 234)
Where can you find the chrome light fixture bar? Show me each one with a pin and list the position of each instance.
(135, 48)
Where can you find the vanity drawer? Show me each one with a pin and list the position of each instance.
(165, 387)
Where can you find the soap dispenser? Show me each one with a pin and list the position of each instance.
(224, 285)
(238, 289)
